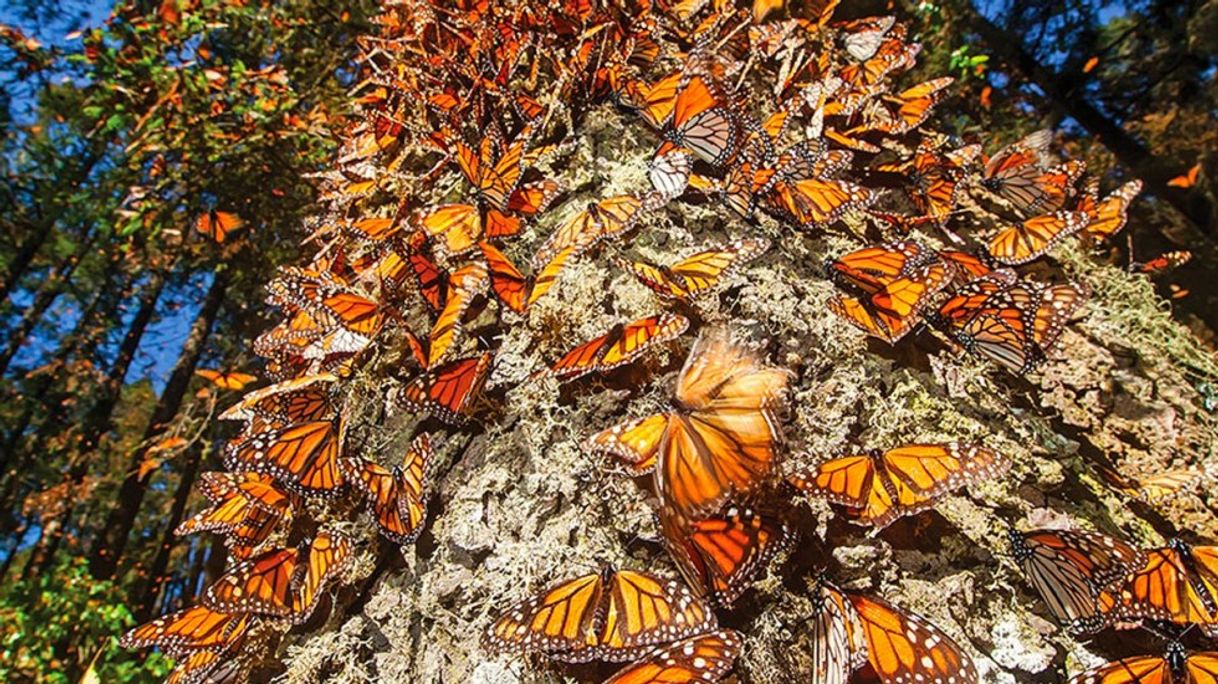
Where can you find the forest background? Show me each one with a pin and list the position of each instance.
(124, 124)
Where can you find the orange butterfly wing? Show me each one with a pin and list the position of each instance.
(194, 629)
(903, 647)
(635, 442)
(704, 658)
(448, 389)
(261, 585)
(302, 457)
(720, 555)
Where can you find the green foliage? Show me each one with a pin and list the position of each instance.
(68, 612)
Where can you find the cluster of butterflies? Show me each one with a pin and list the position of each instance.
(470, 109)
(1090, 581)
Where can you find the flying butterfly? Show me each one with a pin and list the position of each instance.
(879, 487)
(227, 380)
(612, 615)
(720, 439)
(622, 344)
(217, 225)
(698, 273)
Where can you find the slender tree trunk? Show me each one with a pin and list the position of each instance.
(38, 553)
(21, 261)
(38, 233)
(1153, 171)
(144, 598)
(96, 423)
(13, 546)
(50, 290)
(111, 543)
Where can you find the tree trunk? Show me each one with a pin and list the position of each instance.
(38, 233)
(50, 290)
(143, 600)
(1154, 172)
(96, 423)
(112, 541)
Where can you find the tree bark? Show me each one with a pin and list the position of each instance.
(143, 599)
(50, 290)
(1155, 173)
(111, 543)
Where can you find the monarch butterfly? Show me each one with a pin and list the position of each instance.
(894, 309)
(510, 285)
(1186, 180)
(326, 296)
(217, 225)
(838, 646)
(1013, 323)
(431, 281)
(903, 647)
(397, 498)
(719, 555)
(1162, 263)
(447, 390)
(1029, 240)
(910, 108)
(1177, 583)
(721, 437)
(703, 658)
(261, 585)
(702, 123)
(745, 185)
(862, 37)
(601, 220)
(494, 179)
(655, 101)
(1174, 667)
(1070, 569)
(459, 227)
(245, 508)
(613, 615)
(934, 178)
(669, 171)
(302, 457)
(328, 555)
(207, 667)
(1036, 191)
(870, 269)
(228, 380)
(696, 274)
(1164, 485)
(299, 400)
(621, 345)
(1023, 156)
(815, 202)
(879, 487)
(193, 629)
(465, 284)
(892, 54)
(1108, 217)
(533, 198)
